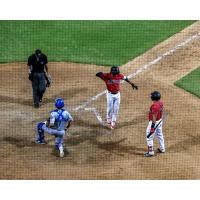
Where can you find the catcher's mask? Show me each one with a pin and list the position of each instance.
(155, 96)
(114, 70)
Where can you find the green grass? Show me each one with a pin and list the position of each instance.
(97, 42)
(191, 82)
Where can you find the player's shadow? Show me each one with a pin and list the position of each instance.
(138, 120)
(22, 142)
(66, 94)
(21, 101)
(78, 138)
(184, 145)
(119, 149)
(95, 126)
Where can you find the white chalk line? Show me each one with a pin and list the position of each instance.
(84, 105)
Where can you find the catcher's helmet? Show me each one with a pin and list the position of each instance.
(155, 96)
(59, 103)
(114, 70)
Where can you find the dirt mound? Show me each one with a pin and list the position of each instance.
(95, 152)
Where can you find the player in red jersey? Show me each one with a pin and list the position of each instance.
(155, 124)
(112, 81)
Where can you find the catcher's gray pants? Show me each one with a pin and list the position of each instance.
(158, 133)
(113, 103)
(59, 136)
(39, 87)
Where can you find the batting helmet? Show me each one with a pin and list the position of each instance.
(114, 70)
(155, 96)
(59, 103)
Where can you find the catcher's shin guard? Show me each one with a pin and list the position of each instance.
(40, 134)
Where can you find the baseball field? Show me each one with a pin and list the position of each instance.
(160, 55)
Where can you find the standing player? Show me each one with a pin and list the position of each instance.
(59, 122)
(155, 124)
(38, 73)
(112, 81)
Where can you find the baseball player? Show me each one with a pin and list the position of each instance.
(112, 81)
(58, 123)
(38, 75)
(154, 127)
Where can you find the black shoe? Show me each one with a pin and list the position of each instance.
(36, 105)
(160, 151)
(148, 154)
(40, 142)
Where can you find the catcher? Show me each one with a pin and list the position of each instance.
(58, 123)
(112, 81)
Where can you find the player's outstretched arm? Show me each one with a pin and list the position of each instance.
(132, 84)
(100, 75)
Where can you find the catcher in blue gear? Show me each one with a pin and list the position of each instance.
(58, 123)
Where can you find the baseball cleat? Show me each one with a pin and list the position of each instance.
(36, 105)
(62, 154)
(108, 121)
(112, 125)
(40, 141)
(149, 154)
(160, 150)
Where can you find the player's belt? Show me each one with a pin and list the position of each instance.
(113, 92)
(156, 120)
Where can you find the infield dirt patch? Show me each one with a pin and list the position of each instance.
(94, 151)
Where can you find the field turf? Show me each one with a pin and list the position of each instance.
(191, 82)
(96, 42)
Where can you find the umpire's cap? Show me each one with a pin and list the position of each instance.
(38, 52)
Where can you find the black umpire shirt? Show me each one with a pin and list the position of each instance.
(37, 63)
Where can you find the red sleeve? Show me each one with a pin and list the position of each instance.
(122, 77)
(105, 76)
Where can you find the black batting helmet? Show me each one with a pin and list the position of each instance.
(114, 70)
(155, 96)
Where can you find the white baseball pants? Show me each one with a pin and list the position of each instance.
(113, 103)
(158, 133)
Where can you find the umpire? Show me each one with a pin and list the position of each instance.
(38, 73)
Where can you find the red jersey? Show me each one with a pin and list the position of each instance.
(156, 109)
(113, 82)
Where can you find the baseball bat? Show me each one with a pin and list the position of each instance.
(165, 115)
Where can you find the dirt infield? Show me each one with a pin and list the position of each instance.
(94, 151)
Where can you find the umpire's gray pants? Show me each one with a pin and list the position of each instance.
(39, 87)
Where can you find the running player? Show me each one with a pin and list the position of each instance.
(112, 81)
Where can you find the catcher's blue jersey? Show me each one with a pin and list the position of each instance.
(60, 119)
